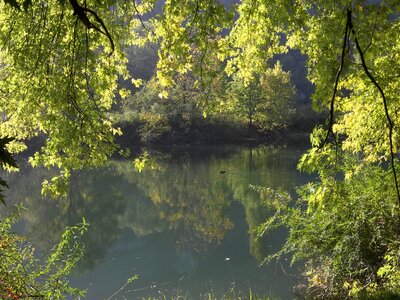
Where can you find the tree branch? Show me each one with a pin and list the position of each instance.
(389, 119)
(81, 13)
(332, 103)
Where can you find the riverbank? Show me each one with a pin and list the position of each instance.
(218, 131)
(218, 135)
(206, 133)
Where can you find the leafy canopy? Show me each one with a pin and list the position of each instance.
(61, 62)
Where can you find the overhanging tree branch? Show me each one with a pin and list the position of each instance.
(332, 103)
(81, 12)
(385, 105)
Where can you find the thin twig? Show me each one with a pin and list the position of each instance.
(119, 290)
(332, 104)
(370, 42)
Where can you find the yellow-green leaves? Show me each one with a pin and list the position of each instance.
(58, 82)
(267, 101)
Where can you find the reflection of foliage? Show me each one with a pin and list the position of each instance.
(181, 191)
(260, 166)
(190, 198)
(141, 216)
(40, 209)
(98, 196)
(21, 276)
(101, 198)
(189, 195)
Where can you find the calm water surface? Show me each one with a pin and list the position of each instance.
(185, 224)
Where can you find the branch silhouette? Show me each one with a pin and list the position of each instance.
(82, 14)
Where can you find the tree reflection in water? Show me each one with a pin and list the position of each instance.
(186, 197)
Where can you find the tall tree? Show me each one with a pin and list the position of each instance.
(245, 99)
(267, 101)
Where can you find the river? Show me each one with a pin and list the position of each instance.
(185, 224)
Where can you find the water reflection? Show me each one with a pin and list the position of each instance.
(182, 225)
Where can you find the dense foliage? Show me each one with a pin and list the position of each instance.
(23, 277)
(346, 228)
(60, 62)
(267, 101)
(58, 80)
(226, 109)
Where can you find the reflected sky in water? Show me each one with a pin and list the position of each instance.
(185, 224)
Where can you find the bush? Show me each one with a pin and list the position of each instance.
(23, 276)
(345, 227)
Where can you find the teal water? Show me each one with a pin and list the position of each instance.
(185, 224)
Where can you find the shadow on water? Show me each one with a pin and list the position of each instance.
(186, 225)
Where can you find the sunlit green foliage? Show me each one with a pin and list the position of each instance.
(22, 276)
(267, 101)
(353, 51)
(246, 100)
(58, 82)
(346, 229)
(155, 115)
(6, 161)
(59, 73)
(59, 78)
(188, 111)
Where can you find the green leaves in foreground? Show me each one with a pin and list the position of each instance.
(345, 228)
(21, 274)
(6, 161)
